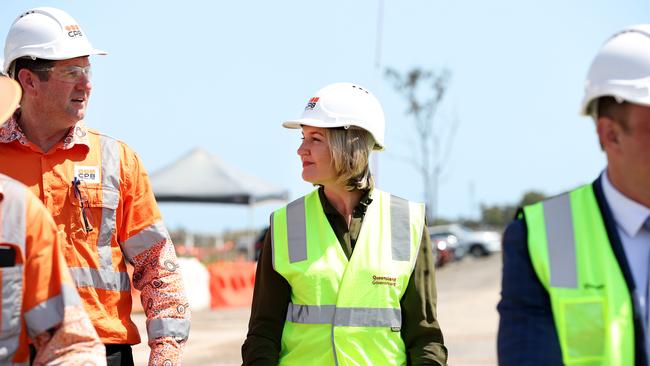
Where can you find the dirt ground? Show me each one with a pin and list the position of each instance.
(468, 292)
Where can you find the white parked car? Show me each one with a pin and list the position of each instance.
(479, 243)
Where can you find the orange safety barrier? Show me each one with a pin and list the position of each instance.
(231, 284)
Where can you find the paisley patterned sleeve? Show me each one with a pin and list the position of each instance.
(156, 275)
(147, 245)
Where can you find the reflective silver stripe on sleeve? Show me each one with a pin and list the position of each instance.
(296, 230)
(145, 239)
(168, 327)
(561, 241)
(49, 313)
(346, 317)
(101, 279)
(400, 229)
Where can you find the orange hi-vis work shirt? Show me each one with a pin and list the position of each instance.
(99, 194)
(39, 300)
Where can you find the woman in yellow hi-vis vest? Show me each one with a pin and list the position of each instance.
(346, 273)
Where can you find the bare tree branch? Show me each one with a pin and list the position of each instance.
(423, 91)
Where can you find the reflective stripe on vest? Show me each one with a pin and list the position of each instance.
(349, 317)
(110, 154)
(561, 241)
(335, 299)
(12, 214)
(400, 233)
(574, 261)
(399, 228)
(297, 231)
(106, 278)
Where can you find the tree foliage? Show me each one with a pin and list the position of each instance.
(501, 215)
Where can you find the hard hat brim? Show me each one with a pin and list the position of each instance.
(10, 93)
(92, 52)
(585, 107)
(314, 122)
(7, 63)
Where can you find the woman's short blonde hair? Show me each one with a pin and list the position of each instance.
(350, 149)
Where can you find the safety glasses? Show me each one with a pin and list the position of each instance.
(68, 74)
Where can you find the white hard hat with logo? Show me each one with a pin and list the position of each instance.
(621, 69)
(9, 97)
(344, 105)
(46, 33)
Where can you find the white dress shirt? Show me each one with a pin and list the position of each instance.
(630, 217)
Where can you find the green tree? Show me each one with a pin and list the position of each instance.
(531, 197)
(501, 215)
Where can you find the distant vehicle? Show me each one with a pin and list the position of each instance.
(444, 248)
(479, 243)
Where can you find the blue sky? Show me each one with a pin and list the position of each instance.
(224, 75)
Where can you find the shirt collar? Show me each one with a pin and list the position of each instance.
(359, 210)
(10, 131)
(628, 214)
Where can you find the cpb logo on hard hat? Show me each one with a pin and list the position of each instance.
(73, 31)
(312, 103)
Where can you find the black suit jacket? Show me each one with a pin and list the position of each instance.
(527, 334)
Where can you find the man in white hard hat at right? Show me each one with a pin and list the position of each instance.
(576, 266)
(94, 186)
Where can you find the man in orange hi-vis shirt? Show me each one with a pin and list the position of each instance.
(94, 186)
(39, 300)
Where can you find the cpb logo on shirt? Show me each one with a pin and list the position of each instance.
(88, 174)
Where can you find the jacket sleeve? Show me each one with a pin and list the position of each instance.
(270, 301)
(420, 329)
(527, 334)
(54, 315)
(147, 245)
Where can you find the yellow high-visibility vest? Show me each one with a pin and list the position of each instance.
(345, 312)
(573, 258)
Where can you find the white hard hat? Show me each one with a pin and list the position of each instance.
(344, 105)
(9, 97)
(46, 33)
(621, 69)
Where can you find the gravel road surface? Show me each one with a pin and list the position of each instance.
(468, 292)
